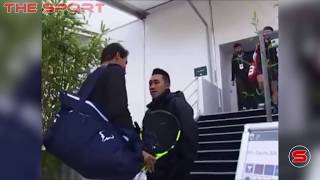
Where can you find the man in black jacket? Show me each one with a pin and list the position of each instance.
(177, 164)
(240, 68)
(109, 93)
(272, 60)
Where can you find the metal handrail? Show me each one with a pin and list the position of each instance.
(193, 81)
(195, 101)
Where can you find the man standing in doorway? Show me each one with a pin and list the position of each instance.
(240, 68)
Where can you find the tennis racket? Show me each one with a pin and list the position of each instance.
(161, 132)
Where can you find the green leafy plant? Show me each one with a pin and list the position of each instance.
(68, 54)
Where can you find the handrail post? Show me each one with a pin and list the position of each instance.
(267, 99)
(200, 100)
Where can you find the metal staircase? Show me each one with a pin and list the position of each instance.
(219, 143)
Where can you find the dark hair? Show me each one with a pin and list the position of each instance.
(236, 45)
(268, 28)
(110, 51)
(162, 72)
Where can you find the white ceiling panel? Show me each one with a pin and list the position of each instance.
(145, 4)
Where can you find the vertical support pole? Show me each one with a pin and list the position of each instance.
(266, 86)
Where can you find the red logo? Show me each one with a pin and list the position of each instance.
(31, 7)
(299, 156)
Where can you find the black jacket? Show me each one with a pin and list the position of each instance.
(187, 146)
(110, 94)
(241, 73)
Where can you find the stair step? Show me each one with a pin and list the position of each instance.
(220, 136)
(213, 173)
(220, 129)
(218, 155)
(234, 114)
(232, 121)
(219, 150)
(216, 161)
(218, 145)
(212, 176)
(216, 166)
(275, 117)
(222, 133)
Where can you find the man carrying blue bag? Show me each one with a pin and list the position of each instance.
(93, 132)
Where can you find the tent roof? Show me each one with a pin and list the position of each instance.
(136, 8)
(118, 13)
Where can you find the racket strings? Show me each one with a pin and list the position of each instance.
(162, 131)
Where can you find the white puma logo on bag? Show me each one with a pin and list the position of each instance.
(104, 138)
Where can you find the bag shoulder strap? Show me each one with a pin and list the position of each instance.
(89, 84)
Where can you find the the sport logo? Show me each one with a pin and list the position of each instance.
(299, 156)
(33, 7)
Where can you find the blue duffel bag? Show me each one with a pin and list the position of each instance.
(84, 139)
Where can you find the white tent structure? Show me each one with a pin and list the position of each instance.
(179, 36)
